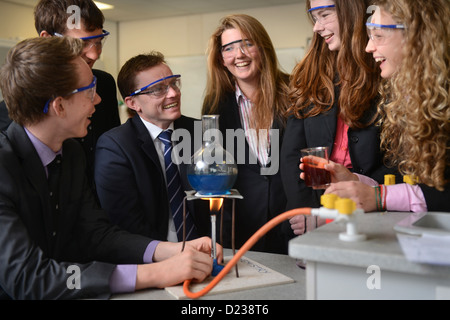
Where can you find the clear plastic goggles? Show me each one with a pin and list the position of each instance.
(245, 46)
(380, 33)
(97, 41)
(323, 14)
(91, 90)
(158, 89)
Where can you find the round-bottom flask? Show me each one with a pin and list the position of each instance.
(212, 170)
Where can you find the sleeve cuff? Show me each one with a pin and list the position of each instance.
(123, 279)
(367, 180)
(150, 251)
(405, 198)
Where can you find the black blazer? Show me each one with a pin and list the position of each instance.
(130, 181)
(5, 121)
(264, 197)
(106, 117)
(34, 255)
(320, 131)
(437, 200)
(365, 154)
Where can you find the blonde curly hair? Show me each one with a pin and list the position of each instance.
(415, 104)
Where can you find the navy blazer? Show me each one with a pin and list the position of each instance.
(35, 254)
(264, 197)
(130, 181)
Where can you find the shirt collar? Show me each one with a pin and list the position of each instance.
(155, 130)
(240, 95)
(46, 154)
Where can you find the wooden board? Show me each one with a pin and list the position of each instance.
(251, 275)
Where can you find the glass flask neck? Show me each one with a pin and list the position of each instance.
(212, 171)
(210, 128)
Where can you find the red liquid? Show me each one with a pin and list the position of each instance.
(316, 175)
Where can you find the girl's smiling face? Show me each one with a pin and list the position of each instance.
(386, 44)
(326, 23)
(240, 56)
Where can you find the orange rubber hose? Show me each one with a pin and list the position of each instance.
(247, 246)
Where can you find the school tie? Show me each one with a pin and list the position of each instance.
(175, 191)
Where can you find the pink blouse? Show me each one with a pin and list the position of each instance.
(340, 152)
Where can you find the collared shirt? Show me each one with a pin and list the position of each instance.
(341, 152)
(259, 146)
(123, 279)
(154, 132)
(46, 154)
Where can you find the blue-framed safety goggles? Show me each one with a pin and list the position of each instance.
(88, 40)
(322, 7)
(92, 87)
(380, 33)
(137, 92)
(386, 26)
(103, 35)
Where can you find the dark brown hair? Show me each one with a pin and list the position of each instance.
(126, 80)
(52, 15)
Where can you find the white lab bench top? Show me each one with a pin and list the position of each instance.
(372, 269)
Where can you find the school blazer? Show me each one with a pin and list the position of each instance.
(130, 182)
(35, 255)
(106, 117)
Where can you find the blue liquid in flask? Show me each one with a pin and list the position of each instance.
(210, 185)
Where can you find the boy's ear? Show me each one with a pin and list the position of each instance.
(131, 103)
(56, 105)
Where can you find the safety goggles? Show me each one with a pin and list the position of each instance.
(90, 89)
(158, 89)
(97, 41)
(323, 14)
(245, 46)
(380, 33)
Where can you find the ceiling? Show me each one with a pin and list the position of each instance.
(128, 10)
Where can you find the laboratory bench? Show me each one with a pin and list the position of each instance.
(375, 268)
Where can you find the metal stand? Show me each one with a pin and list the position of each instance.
(233, 195)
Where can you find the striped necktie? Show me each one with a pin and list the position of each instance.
(175, 191)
